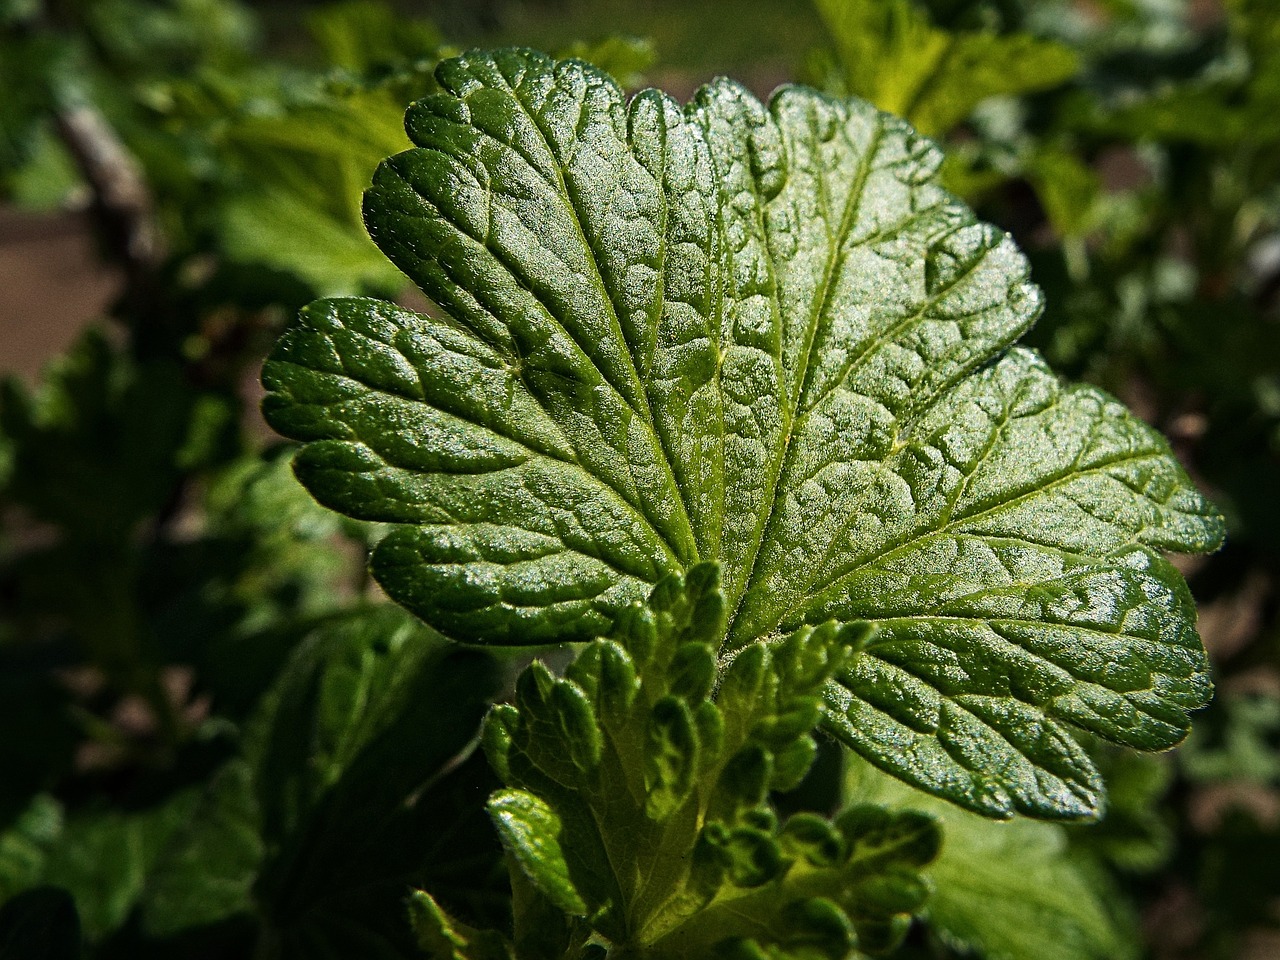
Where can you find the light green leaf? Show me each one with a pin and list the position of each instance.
(761, 336)
(890, 53)
(263, 227)
(1005, 891)
(301, 171)
(530, 832)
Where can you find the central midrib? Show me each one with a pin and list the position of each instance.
(785, 454)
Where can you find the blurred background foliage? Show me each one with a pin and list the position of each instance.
(217, 740)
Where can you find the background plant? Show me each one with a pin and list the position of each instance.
(159, 618)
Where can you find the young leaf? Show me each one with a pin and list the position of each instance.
(659, 836)
(444, 938)
(530, 830)
(761, 336)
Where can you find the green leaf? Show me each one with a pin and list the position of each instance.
(300, 173)
(25, 844)
(1005, 891)
(660, 837)
(262, 228)
(625, 58)
(363, 36)
(444, 938)
(207, 871)
(761, 336)
(100, 445)
(889, 53)
(530, 831)
(103, 858)
(337, 805)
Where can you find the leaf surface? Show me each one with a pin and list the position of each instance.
(760, 335)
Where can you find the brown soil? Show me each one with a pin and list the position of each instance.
(52, 283)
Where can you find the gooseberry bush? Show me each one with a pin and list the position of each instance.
(844, 614)
(727, 394)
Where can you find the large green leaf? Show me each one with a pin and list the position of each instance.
(764, 336)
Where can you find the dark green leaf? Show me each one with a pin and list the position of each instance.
(337, 805)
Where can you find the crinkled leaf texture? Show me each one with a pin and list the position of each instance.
(760, 335)
(637, 801)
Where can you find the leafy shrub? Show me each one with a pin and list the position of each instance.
(729, 396)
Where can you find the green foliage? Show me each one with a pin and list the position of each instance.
(98, 408)
(888, 52)
(670, 343)
(761, 336)
(638, 804)
(245, 157)
(1154, 171)
(306, 839)
(1005, 891)
(321, 823)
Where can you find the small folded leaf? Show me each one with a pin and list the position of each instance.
(792, 762)
(1007, 891)
(444, 938)
(660, 845)
(830, 891)
(813, 838)
(877, 835)
(820, 924)
(693, 672)
(530, 832)
(564, 737)
(744, 781)
(671, 756)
